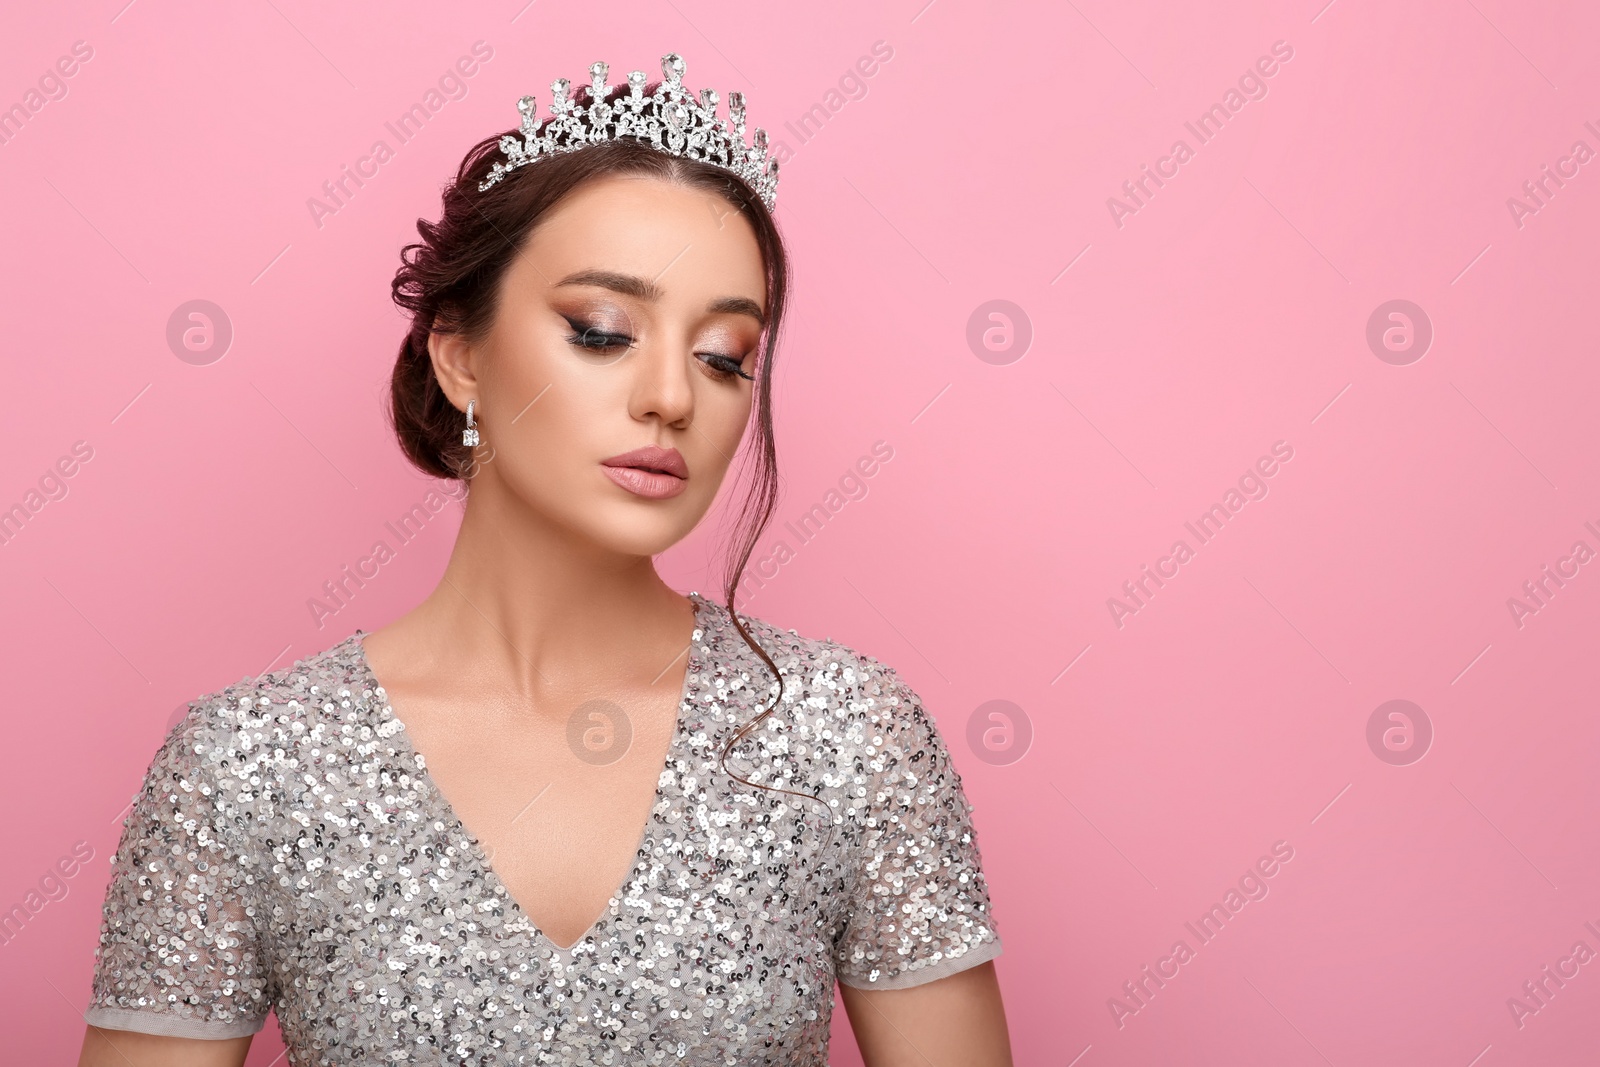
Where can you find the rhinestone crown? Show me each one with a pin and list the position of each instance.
(671, 120)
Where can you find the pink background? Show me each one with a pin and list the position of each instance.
(1168, 353)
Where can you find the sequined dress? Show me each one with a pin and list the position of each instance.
(289, 851)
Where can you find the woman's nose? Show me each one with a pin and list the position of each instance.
(661, 385)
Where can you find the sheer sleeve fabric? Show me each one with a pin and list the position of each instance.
(919, 906)
(180, 953)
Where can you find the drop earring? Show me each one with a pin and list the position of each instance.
(469, 436)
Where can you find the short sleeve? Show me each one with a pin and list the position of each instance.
(919, 905)
(180, 954)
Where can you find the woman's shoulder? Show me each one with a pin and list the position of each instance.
(846, 718)
(825, 680)
(225, 755)
(811, 659)
(239, 721)
(312, 676)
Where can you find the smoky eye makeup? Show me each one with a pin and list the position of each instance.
(723, 353)
(605, 331)
(723, 367)
(598, 330)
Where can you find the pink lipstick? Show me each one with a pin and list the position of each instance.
(652, 472)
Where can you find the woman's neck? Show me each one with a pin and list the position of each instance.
(539, 608)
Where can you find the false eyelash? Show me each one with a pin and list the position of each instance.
(586, 336)
(728, 370)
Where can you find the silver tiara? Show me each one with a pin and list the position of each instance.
(671, 120)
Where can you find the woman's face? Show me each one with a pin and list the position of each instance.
(620, 327)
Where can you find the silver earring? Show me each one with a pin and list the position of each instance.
(469, 436)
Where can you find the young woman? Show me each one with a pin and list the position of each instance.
(560, 813)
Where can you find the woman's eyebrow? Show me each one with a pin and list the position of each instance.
(645, 289)
(627, 284)
(737, 305)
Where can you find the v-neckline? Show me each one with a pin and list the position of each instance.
(416, 765)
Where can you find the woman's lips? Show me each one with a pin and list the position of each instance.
(652, 484)
(651, 471)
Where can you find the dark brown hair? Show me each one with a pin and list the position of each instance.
(449, 283)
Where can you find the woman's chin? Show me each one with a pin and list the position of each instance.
(639, 530)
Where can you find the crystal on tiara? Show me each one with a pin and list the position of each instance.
(672, 119)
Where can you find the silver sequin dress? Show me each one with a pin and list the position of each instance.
(289, 851)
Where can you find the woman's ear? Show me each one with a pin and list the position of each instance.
(455, 365)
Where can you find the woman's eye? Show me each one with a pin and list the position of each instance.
(594, 339)
(725, 366)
